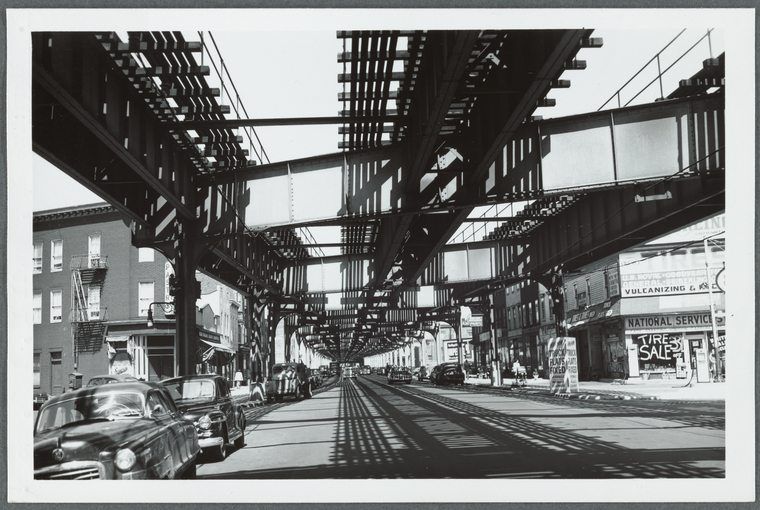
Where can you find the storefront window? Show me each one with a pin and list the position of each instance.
(659, 351)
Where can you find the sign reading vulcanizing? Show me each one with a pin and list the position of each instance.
(563, 364)
(663, 283)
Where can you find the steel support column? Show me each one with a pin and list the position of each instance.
(185, 263)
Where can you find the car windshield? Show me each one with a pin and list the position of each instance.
(191, 389)
(277, 369)
(99, 406)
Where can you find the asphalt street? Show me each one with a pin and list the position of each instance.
(364, 428)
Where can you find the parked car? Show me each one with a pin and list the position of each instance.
(111, 378)
(39, 397)
(421, 373)
(130, 430)
(288, 379)
(349, 372)
(447, 373)
(400, 374)
(205, 401)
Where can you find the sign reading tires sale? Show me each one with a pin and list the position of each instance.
(563, 365)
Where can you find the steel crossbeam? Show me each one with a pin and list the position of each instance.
(459, 135)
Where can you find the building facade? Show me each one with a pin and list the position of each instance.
(655, 311)
(92, 292)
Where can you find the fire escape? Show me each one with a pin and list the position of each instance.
(88, 318)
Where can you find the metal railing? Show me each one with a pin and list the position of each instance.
(88, 315)
(91, 261)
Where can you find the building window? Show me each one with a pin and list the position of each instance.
(93, 302)
(37, 307)
(146, 297)
(56, 256)
(537, 316)
(36, 365)
(145, 254)
(94, 251)
(588, 291)
(37, 258)
(606, 286)
(55, 305)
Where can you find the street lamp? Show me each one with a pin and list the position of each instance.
(163, 305)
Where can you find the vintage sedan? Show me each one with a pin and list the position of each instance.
(40, 397)
(447, 373)
(206, 402)
(400, 374)
(289, 379)
(121, 431)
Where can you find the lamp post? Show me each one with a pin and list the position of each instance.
(164, 306)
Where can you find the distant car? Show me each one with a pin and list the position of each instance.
(316, 378)
(400, 374)
(447, 373)
(111, 378)
(205, 401)
(121, 431)
(349, 372)
(420, 373)
(40, 397)
(289, 379)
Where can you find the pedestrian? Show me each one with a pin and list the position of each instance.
(519, 372)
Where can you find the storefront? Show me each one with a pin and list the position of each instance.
(663, 342)
(600, 343)
(216, 358)
(150, 357)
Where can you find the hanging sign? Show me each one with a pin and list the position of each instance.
(563, 365)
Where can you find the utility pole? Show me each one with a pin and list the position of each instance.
(716, 376)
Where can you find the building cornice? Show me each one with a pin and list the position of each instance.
(73, 212)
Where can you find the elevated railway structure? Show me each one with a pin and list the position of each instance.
(433, 124)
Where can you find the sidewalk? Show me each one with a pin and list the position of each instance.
(668, 389)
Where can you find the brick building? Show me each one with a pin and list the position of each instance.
(91, 293)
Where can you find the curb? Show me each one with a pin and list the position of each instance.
(575, 396)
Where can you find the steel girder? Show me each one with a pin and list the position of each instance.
(460, 115)
(98, 117)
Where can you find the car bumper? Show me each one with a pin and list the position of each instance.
(210, 442)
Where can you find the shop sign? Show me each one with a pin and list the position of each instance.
(485, 336)
(720, 280)
(563, 364)
(660, 349)
(691, 321)
(665, 283)
(614, 282)
(451, 351)
(168, 271)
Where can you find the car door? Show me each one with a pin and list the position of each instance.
(185, 432)
(164, 447)
(225, 404)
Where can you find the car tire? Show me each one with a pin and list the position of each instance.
(308, 393)
(190, 472)
(219, 453)
(240, 442)
(278, 398)
(299, 393)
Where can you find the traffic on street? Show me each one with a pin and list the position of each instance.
(366, 428)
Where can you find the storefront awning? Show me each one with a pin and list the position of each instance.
(218, 347)
(595, 313)
(117, 338)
